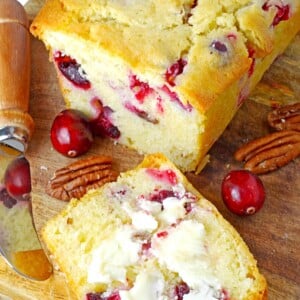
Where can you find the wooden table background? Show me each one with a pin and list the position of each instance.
(273, 234)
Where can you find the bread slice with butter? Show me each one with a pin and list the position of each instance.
(150, 235)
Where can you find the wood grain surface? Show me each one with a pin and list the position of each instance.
(272, 234)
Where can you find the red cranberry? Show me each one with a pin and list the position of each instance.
(243, 192)
(94, 296)
(175, 70)
(71, 133)
(146, 246)
(140, 113)
(224, 295)
(103, 127)
(140, 89)
(72, 70)
(219, 46)
(181, 289)
(162, 234)
(101, 124)
(283, 12)
(188, 206)
(161, 195)
(167, 176)
(99, 296)
(115, 296)
(17, 179)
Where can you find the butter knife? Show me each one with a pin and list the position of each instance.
(19, 242)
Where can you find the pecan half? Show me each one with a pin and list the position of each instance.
(270, 152)
(285, 117)
(74, 180)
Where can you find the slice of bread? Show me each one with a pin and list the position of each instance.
(151, 235)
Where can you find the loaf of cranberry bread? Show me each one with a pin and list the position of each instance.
(163, 76)
(150, 235)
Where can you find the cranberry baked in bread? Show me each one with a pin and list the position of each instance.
(150, 235)
(163, 76)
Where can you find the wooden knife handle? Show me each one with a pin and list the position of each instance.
(14, 67)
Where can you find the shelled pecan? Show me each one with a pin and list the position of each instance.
(285, 117)
(270, 152)
(74, 180)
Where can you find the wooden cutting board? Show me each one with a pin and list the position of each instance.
(272, 234)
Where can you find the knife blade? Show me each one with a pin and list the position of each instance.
(19, 242)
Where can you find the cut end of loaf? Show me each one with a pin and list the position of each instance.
(163, 77)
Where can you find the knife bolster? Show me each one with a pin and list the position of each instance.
(16, 125)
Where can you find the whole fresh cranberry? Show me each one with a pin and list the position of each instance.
(243, 192)
(17, 179)
(71, 133)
